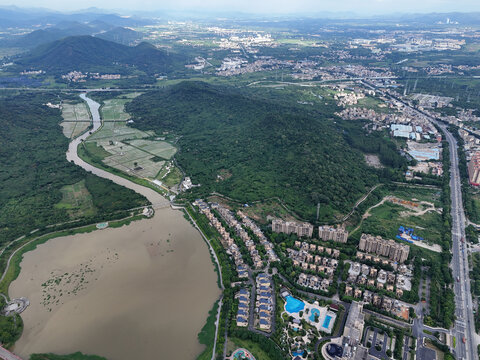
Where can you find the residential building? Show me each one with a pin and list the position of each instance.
(330, 233)
(353, 329)
(387, 248)
(289, 227)
(474, 169)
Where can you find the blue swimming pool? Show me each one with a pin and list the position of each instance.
(294, 305)
(326, 322)
(297, 353)
(314, 312)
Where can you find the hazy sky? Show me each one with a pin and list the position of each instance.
(263, 6)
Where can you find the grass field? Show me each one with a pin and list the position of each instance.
(174, 177)
(77, 201)
(370, 102)
(386, 219)
(417, 194)
(132, 95)
(96, 151)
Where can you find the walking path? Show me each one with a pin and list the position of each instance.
(7, 355)
(362, 199)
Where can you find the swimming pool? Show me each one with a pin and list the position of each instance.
(314, 312)
(326, 322)
(294, 305)
(297, 353)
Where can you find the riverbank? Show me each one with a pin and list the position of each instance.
(123, 293)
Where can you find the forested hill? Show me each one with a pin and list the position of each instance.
(260, 149)
(87, 53)
(34, 171)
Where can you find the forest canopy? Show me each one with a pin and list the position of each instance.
(34, 169)
(249, 148)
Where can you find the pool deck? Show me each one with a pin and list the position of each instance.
(323, 313)
(245, 351)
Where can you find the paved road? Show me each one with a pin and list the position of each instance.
(464, 326)
(7, 355)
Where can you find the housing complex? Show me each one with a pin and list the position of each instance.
(338, 234)
(474, 169)
(388, 248)
(289, 227)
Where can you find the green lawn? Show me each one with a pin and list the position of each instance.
(96, 151)
(173, 178)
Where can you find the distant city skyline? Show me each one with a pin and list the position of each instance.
(274, 7)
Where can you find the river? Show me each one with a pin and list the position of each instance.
(142, 291)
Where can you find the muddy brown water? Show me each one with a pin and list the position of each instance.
(142, 291)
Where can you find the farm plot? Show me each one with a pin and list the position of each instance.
(114, 109)
(161, 149)
(72, 129)
(118, 131)
(76, 119)
(75, 112)
(128, 148)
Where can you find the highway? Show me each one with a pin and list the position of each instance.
(464, 324)
(464, 327)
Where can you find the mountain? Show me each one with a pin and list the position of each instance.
(87, 53)
(99, 25)
(261, 148)
(118, 20)
(73, 28)
(43, 36)
(121, 35)
(13, 16)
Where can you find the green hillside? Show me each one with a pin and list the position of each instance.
(34, 171)
(87, 53)
(260, 148)
(121, 35)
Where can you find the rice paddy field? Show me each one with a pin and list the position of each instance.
(113, 110)
(130, 150)
(76, 119)
(117, 131)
